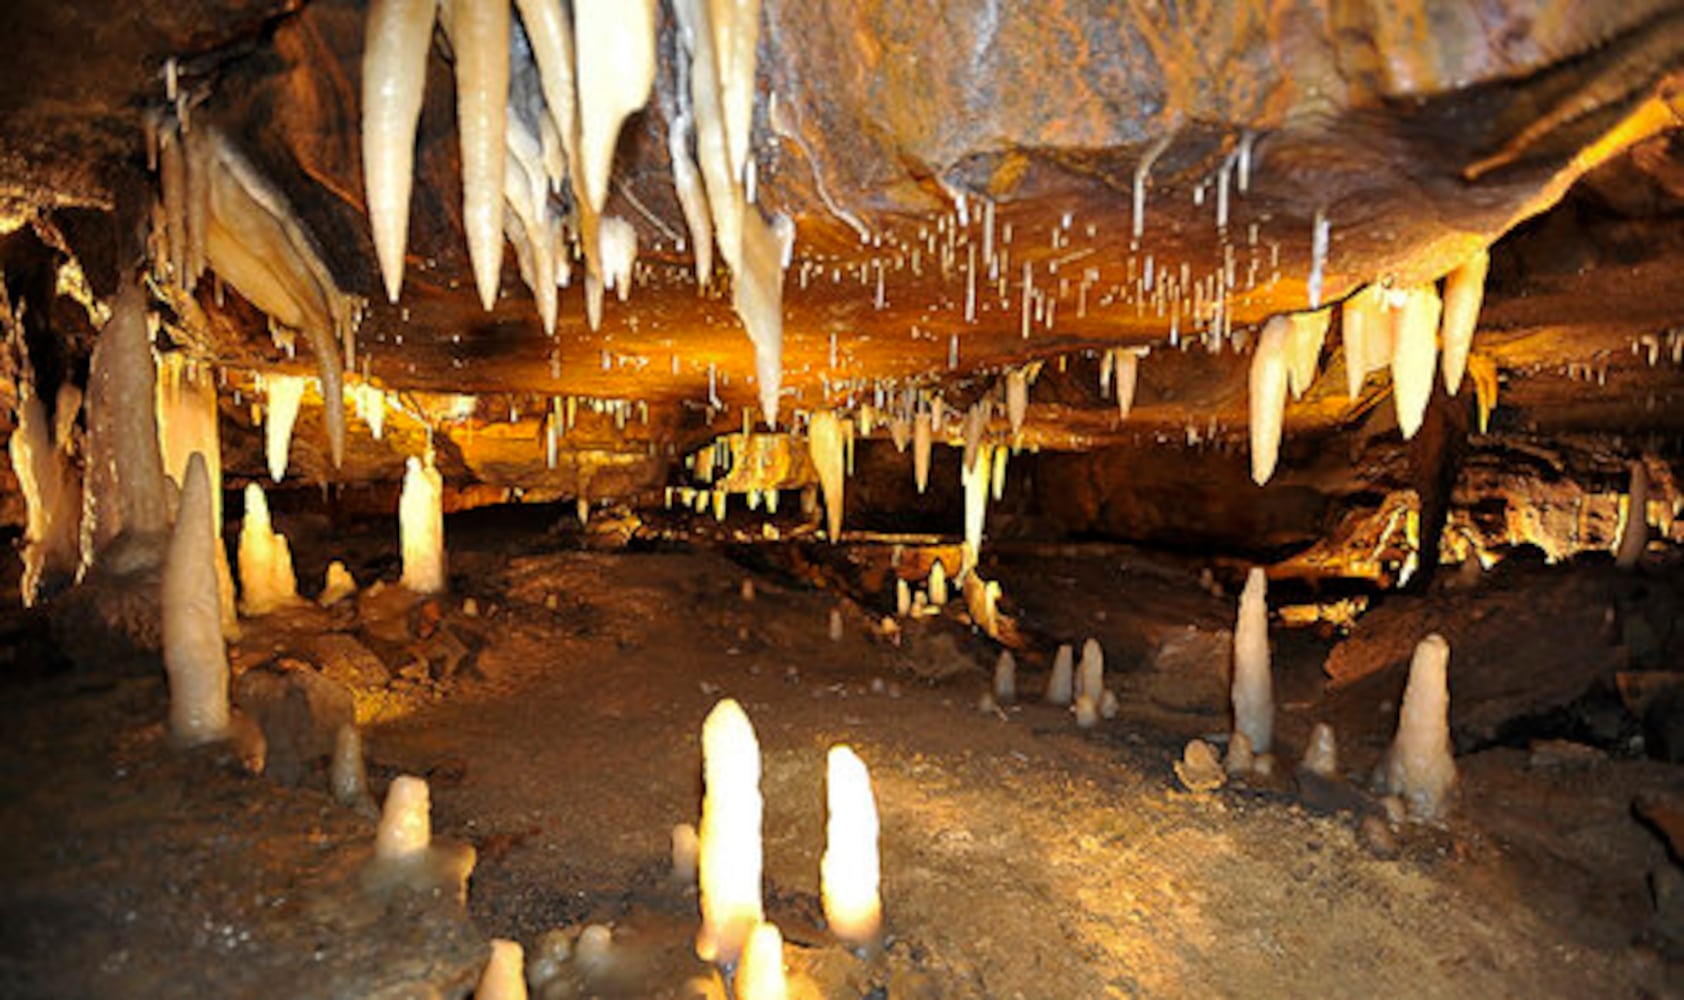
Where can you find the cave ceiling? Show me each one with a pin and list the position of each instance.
(962, 180)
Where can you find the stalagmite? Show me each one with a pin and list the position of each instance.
(903, 598)
(1253, 688)
(347, 773)
(921, 443)
(616, 69)
(1087, 712)
(848, 873)
(124, 492)
(1464, 291)
(194, 656)
(1634, 532)
(825, 443)
(266, 577)
(1304, 342)
(421, 527)
(1420, 766)
(938, 584)
(686, 849)
(1017, 398)
(997, 475)
(1090, 675)
(280, 414)
(761, 975)
(1415, 315)
(504, 977)
(1005, 677)
(479, 33)
(398, 36)
(338, 584)
(1061, 686)
(730, 863)
(975, 483)
(1321, 757)
(406, 824)
(1268, 386)
(1127, 375)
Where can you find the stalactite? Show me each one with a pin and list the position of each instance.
(1464, 291)
(399, 35)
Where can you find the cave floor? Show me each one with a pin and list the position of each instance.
(1022, 857)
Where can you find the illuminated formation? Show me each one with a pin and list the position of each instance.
(194, 656)
(504, 977)
(761, 974)
(730, 863)
(848, 875)
(1420, 766)
(266, 578)
(124, 495)
(421, 527)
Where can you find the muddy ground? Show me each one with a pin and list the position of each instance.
(557, 719)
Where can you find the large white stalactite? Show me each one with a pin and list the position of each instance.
(1415, 315)
(400, 33)
(479, 30)
(1268, 385)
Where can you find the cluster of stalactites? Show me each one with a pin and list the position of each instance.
(219, 212)
(541, 99)
(1412, 330)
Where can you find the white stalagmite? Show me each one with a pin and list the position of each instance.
(1321, 757)
(1268, 399)
(730, 866)
(421, 527)
(825, 443)
(124, 493)
(398, 36)
(1253, 687)
(1415, 315)
(1464, 292)
(1634, 533)
(1090, 675)
(617, 244)
(975, 483)
(1304, 342)
(480, 32)
(1017, 398)
(616, 69)
(1005, 677)
(903, 598)
(504, 977)
(1365, 331)
(1061, 686)
(406, 823)
(921, 443)
(283, 393)
(757, 294)
(194, 656)
(1127, 374)
(266, 577)
(1420, 766)
(761, 974)
(938, 584)
(849, 871)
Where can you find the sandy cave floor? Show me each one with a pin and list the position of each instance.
(1022, 857)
